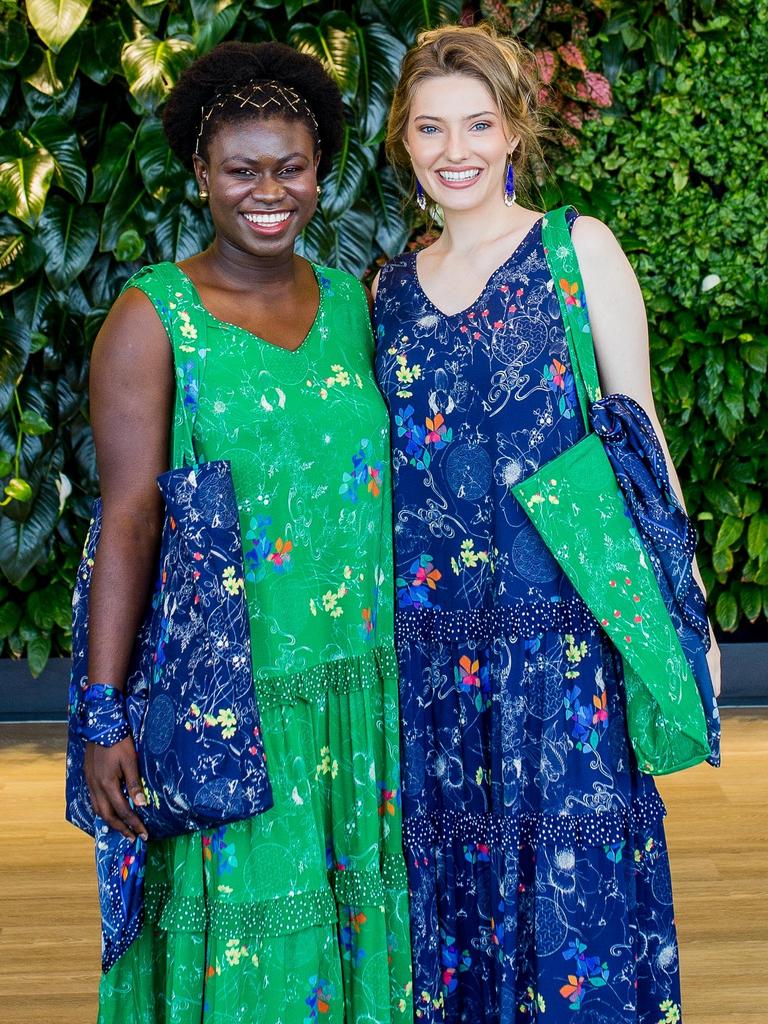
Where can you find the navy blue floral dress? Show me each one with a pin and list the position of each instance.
(537, 863)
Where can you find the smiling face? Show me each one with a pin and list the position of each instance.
(262, 183)
(458, 143)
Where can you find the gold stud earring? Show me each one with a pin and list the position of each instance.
(203, 193)
(319, 189)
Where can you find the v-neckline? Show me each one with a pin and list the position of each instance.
(257, 337)
(488, 283)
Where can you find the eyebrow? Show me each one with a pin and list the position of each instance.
(469, 117)
(242, 158)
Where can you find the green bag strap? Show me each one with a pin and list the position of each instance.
(569, 288)
(172, 294)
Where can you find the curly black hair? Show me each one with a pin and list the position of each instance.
(233, 64)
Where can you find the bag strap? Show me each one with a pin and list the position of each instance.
(172, 294)
(569, 288)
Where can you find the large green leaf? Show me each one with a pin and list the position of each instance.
(149, 11)
(14, 41)
(6, 88)
(15, 342)
(100, 57)
(335, 43)
(20, 256)
(152, 67)
(22, 545)
(112, 161)
(352, 242)
(158, 167)
(344, 243)
(181, 231)
(40, 105)
(53, 73)
(30, 305)
(409, 17)
(57, 137)
(69, 234)
(117, 218)
(56, 21)
(343, 185)
(381, 55)
(214, 20)
(26, 172)
(388, 204)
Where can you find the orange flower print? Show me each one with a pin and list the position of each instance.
(281, 553)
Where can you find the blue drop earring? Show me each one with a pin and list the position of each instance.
(421, 199)
(509, 185)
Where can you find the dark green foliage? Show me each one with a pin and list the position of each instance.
(679, 172)
(89, 190)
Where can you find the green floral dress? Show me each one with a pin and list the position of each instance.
(300, 914)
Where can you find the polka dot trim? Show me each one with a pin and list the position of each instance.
(479, 626)
(509, 832)
(368, 888)
(341, 676)
(223, 918)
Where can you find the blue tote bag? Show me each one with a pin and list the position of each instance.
(189, 693)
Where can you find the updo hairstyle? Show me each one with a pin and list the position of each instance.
(232, 65)
(503, 65)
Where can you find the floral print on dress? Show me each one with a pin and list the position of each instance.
(535, 850)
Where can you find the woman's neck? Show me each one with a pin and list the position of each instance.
(240, 269)
(466, 232)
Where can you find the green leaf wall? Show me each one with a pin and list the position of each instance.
(89, 191)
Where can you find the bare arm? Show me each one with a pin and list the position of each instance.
(131, 391)
(620, 332)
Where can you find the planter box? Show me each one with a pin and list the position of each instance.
(24, 699)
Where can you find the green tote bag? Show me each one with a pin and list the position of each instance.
(576, 505)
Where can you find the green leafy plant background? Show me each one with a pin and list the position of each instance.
(659, 127)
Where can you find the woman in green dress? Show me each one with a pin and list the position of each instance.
(300, 914)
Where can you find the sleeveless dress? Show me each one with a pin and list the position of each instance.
(538, 871)
(299, 914)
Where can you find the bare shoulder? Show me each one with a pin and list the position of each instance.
(132, 330)
(375, 284)
(594, 240)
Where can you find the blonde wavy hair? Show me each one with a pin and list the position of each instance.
(504, 66)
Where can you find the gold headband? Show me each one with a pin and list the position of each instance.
(261, 95)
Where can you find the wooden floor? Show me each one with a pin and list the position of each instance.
(49, 947)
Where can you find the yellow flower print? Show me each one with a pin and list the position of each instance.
(574, 653)
(231, 583)
(227, 721)
(187, 329)
(671, 1012)
(327, 766)
(235, 952)
(331, 600)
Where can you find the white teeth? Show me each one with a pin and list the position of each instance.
(458, 175)
(266, 218)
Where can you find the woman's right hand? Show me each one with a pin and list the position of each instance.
(107, 771)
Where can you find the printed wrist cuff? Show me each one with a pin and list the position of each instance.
(103, 718)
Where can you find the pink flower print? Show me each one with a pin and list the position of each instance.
(512, 308)
(435, 429)
(374, 480)
(504, 288)
(281, 553)
(497, 324)
(426, 574)
(519, 292)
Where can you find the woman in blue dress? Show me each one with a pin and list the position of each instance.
(537, 863)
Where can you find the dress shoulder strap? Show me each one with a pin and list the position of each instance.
(177, 305)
